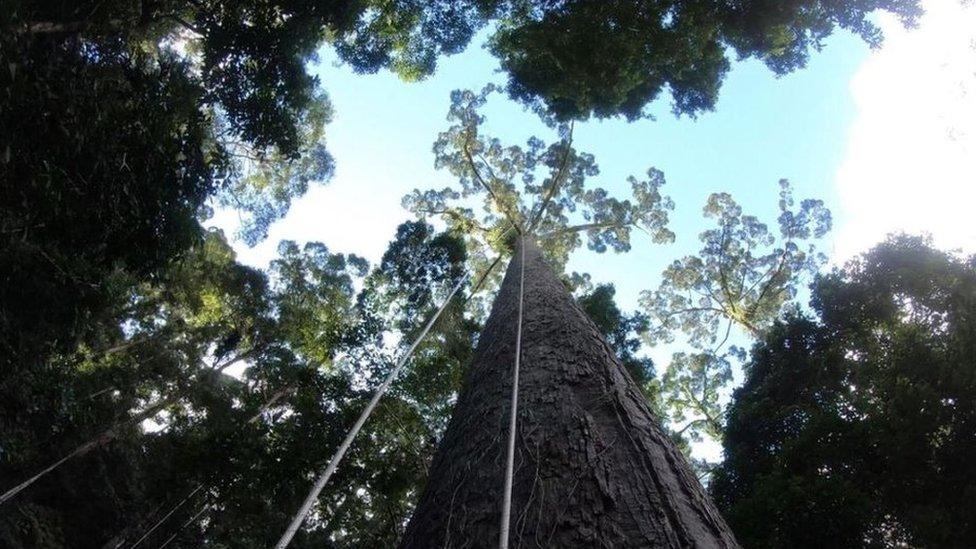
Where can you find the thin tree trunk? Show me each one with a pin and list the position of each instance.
(593, 467)
(271, 402)
(138, 340)
(109, 434)
(98, 441)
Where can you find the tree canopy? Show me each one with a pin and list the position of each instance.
(217, 95)
(743, 277)
(853, 426)
(307, 348)
(253, 51)
(536, 189)
(555, 61)
(148, 370)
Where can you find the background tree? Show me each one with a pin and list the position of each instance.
(555, 63)
(744, 273)
(168, 362)
(623, 333)
(586, 431)
(158, 361)
(104, 170)
(743, 277)
(855, 427)
(541, 190)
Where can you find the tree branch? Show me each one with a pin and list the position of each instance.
(185, 24)
(728, 330)
(584, 227)
(723, 279)
(455, 215)
(271, 402)
(498, 203)
(484, 276)
(769, 282)
(556, 182)
(695, 310)
(700, 408)
(689, 424)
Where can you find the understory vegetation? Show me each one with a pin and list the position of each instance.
(156, 391)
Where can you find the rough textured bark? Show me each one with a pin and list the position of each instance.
(593, 467)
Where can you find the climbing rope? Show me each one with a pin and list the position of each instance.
(313, 494)
(347, 442)
(513, 411)
(17, 489)
(320, 483)
(166, 516)
(185, 524)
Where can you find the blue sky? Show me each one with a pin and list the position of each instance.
(763, 129)
(887, 138)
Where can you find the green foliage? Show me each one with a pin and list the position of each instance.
(252, 52)
(203, 315)
(742, 277)
(408, 36)
(315, 300)
(417, 263)
(855, 428)
(160, 363)
(622, 332)
(121, 120)
(537, 189)
(262, 184)
(556, 63)
(110, 152)
(690, 392)
(102, 171)
(553, 59)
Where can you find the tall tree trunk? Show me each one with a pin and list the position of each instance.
(593, 467)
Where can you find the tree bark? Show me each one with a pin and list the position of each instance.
(593, 467)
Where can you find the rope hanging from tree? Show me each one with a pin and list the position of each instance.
(347, 442)
(185, 524)
(320, 483)
(513, 410)
(166, 516)
(313, 494)
(17, 489)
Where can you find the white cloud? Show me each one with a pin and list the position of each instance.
(911, 156)
(357, 212)
(349, 214)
